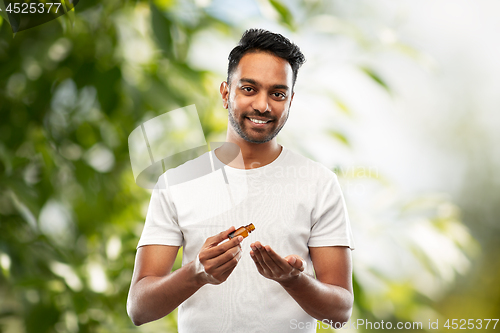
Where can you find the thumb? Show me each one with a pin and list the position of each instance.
(296, 262)
(216, 239)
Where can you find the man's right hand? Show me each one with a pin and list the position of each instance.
(218, 260)
(155, 291)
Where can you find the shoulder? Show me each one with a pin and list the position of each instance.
(308, 168)
(189, 170)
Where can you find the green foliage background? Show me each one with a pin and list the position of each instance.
(47, 135)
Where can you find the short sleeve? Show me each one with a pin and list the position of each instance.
(330, 220)
(161, 227)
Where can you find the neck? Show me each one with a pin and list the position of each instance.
(251, 155)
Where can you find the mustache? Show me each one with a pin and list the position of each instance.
(258, 116)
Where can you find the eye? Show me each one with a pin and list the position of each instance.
(279, 95)
(247, 89)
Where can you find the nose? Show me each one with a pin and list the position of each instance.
(261, 103)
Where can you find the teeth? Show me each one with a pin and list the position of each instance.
(258, 121)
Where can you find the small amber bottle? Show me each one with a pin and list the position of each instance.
(242, 231)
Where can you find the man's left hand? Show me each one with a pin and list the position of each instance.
(274, 267)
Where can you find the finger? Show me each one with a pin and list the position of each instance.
(256, 252)
(262, 270)
(228, 266)
(227, 272)
(223, 277)
(224, 247)
(266, 260)
(280, 262)
(259, 258)
(222, 259)
(216, 239)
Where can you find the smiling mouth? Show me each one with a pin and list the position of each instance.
(259, 121)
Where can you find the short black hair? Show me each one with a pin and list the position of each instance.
(260, 40)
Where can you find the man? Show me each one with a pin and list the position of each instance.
(295, 204)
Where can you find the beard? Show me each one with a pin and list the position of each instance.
(246, 134)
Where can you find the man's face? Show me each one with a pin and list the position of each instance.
(260, 90)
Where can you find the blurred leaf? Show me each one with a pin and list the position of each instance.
(339, 103)
(285, 14)
(107, 87)
(375, 77)
(342, 107)
(41, 318)
(164, 4)
(339, 136)
(3, 13)
(162, 28)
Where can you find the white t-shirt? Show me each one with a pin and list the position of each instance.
(293, 202)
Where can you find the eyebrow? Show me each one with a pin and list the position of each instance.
(276, 86)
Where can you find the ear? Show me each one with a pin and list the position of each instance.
(224, 92)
